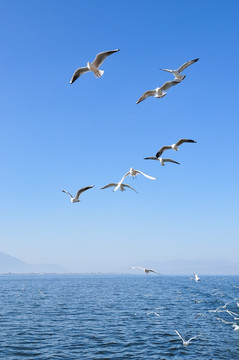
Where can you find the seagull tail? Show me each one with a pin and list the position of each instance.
(99, 73)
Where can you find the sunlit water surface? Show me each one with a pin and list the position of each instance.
(106, 317)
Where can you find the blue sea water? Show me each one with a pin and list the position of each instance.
(69, 317)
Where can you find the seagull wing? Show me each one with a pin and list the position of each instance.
(120, 182)
(109, 185)
(167, 70)
(82, 190)
(67, 193)
(163, 148)
(188, 341)
(151, 270)
(78, 73)
(180, 336)
(102, 56)
(172, 161)
(137, 267)
(181, 141)
(169, 84)
(126, 185)
(146, 95)
(186, 64)
(147, 176)
(151, 158)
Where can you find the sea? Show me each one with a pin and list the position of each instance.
(118, 317)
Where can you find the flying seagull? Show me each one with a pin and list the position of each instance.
(220, 307)
(185, 343)
(162, 161)
(122, 187)
(133, 172)
(196, 278)
(153, 312)
(94, 66)
(76, 198)
(174, 146)
(233, 314)
(147, 271)
(177, 72)
(199, 314)
(159, 91)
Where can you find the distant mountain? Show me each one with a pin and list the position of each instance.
(11, 264)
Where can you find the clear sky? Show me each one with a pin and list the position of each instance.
(58, 136)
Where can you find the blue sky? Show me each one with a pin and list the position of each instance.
(58, 136)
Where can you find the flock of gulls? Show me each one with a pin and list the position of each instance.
(159, 92)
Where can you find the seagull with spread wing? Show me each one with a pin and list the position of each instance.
(147, 271)
(162, 161)
(122, 187)
(159, 92)
(177, 72)
(133, 172)
(76, 198)
(174, 146)
(185, 343)
(94, 66)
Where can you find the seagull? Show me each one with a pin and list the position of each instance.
(133, 172)
(185, 343)
(197, 278)
(147, 271)
(76, 198)
(159, 91)
(174, 146)
(233, 314)
(200, 314)
(162, 161)
(94, 66)
(122, 187)
(177, 72)
(153, 312)
(221, 307)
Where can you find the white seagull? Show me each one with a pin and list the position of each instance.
(153, 312)
(147, 271)
(233, 314)
(94, 66)
(133, 172)
(76, 198)
(185, 343)
(220, 307)
(196, 277)
(162, 161)
(177, 72)
(122, 187)
(159, 91)
(174, 146)
(199, 314)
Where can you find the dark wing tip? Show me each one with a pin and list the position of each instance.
(196, 59)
